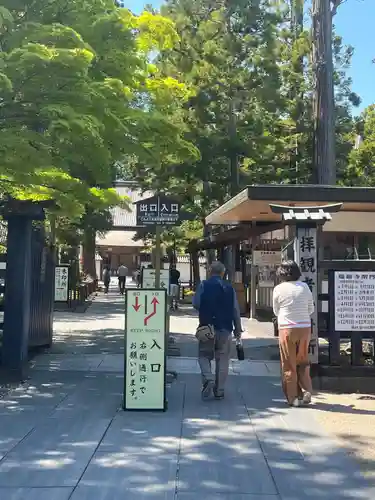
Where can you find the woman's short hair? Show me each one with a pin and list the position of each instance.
(288, 271)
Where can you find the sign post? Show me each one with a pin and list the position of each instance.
(159, 211)
(145, 350)
(62, 283)
(306, 221)
(306, 256)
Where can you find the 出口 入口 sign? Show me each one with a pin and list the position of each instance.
(354, 301)
(145, 350)
(158, 210)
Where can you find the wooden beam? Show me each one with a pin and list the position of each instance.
(235, 235)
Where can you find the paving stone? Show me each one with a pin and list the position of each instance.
(13, 428)
(203, 474)
(304, 480)
(149, 431)
(37, 469)
(118, 493)
(183, 365)
(278, 446)
(226, 496)
(250, 368)
(137, 471)
(111, 363)
(99, 394)
(56, 362)
(64, 434)
(35, 493)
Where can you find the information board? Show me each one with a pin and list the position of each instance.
(145, 350)
(266, 257)
(148, 278)
(354, 301)
(61, 283)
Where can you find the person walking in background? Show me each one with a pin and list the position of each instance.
(106, 278)
(174, 284)
(219, 316)
(122, 274)
(293, 306)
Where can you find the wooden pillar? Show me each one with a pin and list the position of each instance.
(306, 256)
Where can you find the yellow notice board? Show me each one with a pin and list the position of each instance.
(145, 349)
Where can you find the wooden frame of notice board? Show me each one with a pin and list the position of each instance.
(129, 295)
(332, 285)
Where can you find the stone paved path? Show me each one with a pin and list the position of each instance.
(64, 437)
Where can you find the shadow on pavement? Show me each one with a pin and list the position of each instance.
(65, 431)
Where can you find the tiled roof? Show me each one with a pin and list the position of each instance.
(121, 217)
(119, 239)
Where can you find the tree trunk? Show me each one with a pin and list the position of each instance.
(297, 95)
(89, 253)
(324, 161)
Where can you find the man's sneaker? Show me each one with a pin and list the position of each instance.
(306, 400)
(207, 389)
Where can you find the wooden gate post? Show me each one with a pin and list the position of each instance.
(19, 215)
(306, 221)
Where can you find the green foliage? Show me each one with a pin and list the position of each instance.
(248, 67)
(78, 94)
(361, 170)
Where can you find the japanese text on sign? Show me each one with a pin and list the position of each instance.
(354, 301)
(158, 210)
(148, 278)
(61, 283)
(266, 257)
(306, 256)
(145, 350)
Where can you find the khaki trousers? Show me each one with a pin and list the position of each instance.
(218, 348)
(294, 358)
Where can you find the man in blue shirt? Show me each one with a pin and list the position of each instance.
(216, 301)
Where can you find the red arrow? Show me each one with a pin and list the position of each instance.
(154, 301)
(136, 306)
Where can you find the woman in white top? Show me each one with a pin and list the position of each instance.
(293, 306)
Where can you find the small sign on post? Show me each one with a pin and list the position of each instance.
(61, 283)
(149, 279)
(266, 257)
(145, 350)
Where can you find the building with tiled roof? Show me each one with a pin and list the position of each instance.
(118, 246)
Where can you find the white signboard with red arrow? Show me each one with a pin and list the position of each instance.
(145, 349)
